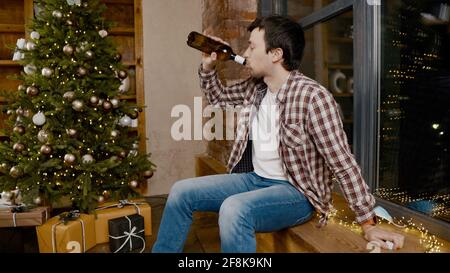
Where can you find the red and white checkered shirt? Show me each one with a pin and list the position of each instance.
(313, 145)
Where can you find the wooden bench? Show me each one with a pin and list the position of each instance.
(335, 237)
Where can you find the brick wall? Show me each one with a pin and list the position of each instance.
(228, 19)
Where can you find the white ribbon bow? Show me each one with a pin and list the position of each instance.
(129, 235)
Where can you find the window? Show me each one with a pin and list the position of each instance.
(414, 137)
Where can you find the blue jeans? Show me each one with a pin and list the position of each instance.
(246, 202)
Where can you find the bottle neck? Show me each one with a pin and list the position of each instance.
(238, 59)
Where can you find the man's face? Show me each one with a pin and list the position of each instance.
(258, 60)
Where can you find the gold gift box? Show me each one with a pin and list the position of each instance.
(33, 217)
(67, 238)
(103, 215)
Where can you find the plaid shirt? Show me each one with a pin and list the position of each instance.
(313, 145)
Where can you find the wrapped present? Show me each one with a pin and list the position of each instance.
(126, 234)
(118, 209)
(21, 216)
(70, 232)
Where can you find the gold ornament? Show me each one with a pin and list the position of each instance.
(93, 100)
(15, 172)
(68, 50)
(21, 88)
(71, 132)
(43, 136)
(19, 130)
(89, 54)
(134, 184)
(32, 91)
(18, 147)
(101, 199)
(106, 194)
(107, 105)
(46, 150)
(77, 105)
(69, 96)
(115, 133)
(82, 71)
(122, 74)
(148, 174)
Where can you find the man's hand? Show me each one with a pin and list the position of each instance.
(209, 61)
(376, 234)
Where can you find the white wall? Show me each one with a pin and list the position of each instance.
(170, 79)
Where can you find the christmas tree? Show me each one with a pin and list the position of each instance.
(69, 131)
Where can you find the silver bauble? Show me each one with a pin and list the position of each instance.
(29, 69)
(69, 96)
(47, 72)
(77, 105)
(115, 102)
(57, 14)
(93, 100)
(71, 132)
(103, 33)
(69, 159)
(43, 136)
(31, 46)
(115, 133)
(82, 71)
(35, 35)
(87, 159)
(125, 121)
(132, 153)
(32, 91)
(135, 145)
(68, 49)
(39, 119)
(19, 111)
(134, 184)
(89, 54)
(15, 172)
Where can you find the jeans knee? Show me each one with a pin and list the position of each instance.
(179, 191)
(233, 210)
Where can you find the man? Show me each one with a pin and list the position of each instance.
(298, 143)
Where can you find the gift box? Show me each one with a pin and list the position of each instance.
(119, 209)
(126, 234)
(67, 233)
(19, 216)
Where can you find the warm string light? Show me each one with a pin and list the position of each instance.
(429, 242)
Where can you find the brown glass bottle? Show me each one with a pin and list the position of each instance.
(208, 45)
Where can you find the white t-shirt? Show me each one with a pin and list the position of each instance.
(265, 139)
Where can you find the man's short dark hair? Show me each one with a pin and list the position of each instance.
(282, 32)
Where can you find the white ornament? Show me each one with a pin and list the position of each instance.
(74, 2)
(87, 159)
(125, 85)
(57, 14)
(21, 43)
(39, 119)
(115, 102)
(29, 69)
(125, 121)
(35, 35)
(103, 33)
(31, 46)
(47, 72)
(18, 56)
(37, 200)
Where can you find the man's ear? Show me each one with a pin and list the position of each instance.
(277, 55)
